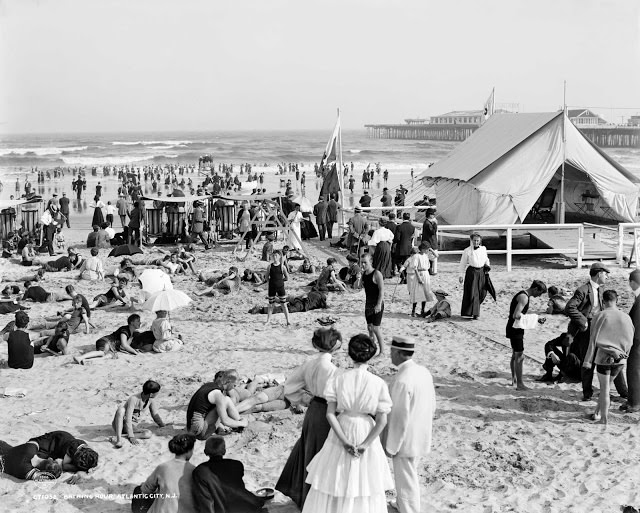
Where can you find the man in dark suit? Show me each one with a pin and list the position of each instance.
(64, 207)
(320, 211)
(633, 363)
(365, 200)
(332, 215)
(218, 484)
(404, 242)
(581, 308)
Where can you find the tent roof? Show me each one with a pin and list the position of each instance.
(499, 135)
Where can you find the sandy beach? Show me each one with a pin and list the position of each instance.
(494, 450)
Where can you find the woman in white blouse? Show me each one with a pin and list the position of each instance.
(309, 378)
(474, 264)
(92, 268)
(351, 473)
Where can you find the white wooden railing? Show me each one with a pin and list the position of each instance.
(576, 251)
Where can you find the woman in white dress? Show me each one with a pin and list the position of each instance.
(350, 473)
(418, 278)
(295, 218)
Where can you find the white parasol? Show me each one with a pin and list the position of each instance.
(304, 202)
(167, 300)
(154, 280)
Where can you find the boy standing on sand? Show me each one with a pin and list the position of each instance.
(517, 311)
(128, 414)
(277, 274)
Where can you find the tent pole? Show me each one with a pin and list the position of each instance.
(341, 171)
(560, 211)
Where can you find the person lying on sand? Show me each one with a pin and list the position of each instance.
(254, 277)
(110, 345)
(312, 301)
(128, 414)
(68, 262)
(73, 317)
(72, 453)
(39, 295)
(23, 462)
(228, 284)
(307, 267)
(259, 396)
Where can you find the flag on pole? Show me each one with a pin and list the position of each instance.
(332, 154)
(331, 183)
(489, 105)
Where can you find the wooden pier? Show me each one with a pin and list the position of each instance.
(613, 136)
(602, 136)
(421, 132)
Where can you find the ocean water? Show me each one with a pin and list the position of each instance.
(256, 148)
(19, 154)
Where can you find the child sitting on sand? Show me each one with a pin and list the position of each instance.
(128, 415)
(556, 303)
(442, 308)
(119, 340)
(115, 296)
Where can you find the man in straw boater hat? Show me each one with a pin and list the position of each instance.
(407, 436)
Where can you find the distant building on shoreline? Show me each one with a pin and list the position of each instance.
(459, 117)
(584, 117)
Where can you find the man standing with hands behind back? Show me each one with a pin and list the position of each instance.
(581, 308)
(407, 436)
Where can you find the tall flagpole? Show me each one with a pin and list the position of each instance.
(341, 169)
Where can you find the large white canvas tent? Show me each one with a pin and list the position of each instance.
(497, 174)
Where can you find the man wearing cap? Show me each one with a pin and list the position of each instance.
(581, 308)
(407, 436)
(357, 227)
(365, 200)
(64, 207)
(633, 363)
(320, 212)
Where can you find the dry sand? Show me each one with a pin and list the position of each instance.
(495, 449)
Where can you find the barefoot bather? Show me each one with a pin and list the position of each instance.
(211, 409)
(128, 414)
(110, 345)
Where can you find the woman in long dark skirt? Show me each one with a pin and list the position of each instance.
(98, 217)
(382, 259)
(474, 264)
(311, 376)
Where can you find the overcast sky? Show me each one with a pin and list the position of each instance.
(111, 65)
